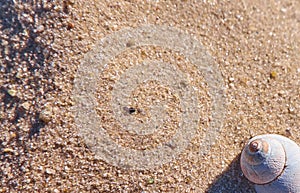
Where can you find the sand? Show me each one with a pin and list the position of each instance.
(253, 46)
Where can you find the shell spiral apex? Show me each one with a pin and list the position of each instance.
(263, 160)
(272, 163)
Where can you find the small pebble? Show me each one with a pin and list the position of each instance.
(56, 190)
(12, 136)
(231, 79)
(39, 29)
(46, 115)
(50, 171)
(26, 105)
(12, 92)
(8, 150)
(273, 75)
(151, 181)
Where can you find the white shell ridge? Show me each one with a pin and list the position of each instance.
(263, 159)
(257, 167)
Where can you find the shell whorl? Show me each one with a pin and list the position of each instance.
(263, 159)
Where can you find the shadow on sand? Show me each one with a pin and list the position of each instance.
(231, 180)
(23, 48)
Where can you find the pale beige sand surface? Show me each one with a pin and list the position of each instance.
(254, 44)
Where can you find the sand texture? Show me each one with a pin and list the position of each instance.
(143, 96)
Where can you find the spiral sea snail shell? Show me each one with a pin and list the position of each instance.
(272, 163)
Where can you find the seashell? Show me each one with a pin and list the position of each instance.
(272, 163)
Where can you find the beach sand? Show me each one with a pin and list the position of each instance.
(254, 46)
